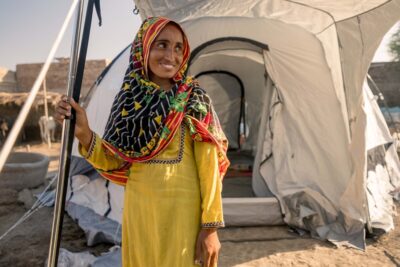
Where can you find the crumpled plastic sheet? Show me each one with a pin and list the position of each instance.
(86, 259)
(112, 258)
(70, 259)
(98, 229)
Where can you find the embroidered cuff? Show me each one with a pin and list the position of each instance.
(213, 225)
(92, 145)
(89, 152)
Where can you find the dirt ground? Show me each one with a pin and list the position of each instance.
(28, 244)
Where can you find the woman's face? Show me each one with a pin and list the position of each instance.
(166, 55)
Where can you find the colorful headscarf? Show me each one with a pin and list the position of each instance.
(145, 118)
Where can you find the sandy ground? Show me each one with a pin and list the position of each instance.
(28, 244)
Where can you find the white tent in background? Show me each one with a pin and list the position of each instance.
(289, 75)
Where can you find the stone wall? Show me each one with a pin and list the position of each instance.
(22, 81)
(387, 77)
(8, 82)
(57, 76)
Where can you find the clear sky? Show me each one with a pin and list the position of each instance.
(28, 29)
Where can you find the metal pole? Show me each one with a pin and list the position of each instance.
(8, 145)
(46, 114)
(59, 203)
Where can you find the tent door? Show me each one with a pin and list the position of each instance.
(264, 154)
(227, 93)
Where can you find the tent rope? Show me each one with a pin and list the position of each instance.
(41, 202)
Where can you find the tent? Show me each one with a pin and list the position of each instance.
(287, 77)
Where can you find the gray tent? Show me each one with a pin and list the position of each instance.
(287, 75)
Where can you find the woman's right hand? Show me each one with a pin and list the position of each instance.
(82, 129)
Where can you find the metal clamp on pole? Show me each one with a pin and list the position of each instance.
(135, 10)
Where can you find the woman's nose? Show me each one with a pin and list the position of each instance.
(170, 54)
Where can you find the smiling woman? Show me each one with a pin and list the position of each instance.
(164, 143)
(166, 56)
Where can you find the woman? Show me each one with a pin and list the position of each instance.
(163, 142)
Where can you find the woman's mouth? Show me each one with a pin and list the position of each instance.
(167, 66)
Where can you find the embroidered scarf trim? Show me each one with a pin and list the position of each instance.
(144, 118)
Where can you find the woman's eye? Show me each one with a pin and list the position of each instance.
(161, 45)
(178, 48)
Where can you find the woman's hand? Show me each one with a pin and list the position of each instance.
(207, 248)
(82, 129)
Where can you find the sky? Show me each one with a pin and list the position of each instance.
(29, 28)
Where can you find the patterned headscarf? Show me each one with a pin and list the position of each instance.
(144, 118)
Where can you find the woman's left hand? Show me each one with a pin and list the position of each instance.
(207, 248)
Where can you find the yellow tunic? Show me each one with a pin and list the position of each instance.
(167, 201)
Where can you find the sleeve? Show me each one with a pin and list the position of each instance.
(206, 156)
(99, 157)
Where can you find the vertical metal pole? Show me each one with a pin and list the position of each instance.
(46, 114)
(60, 193)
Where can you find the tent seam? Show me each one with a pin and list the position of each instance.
(326, 12)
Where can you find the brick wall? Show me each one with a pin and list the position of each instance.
(56, 81)
(387, 77)
(8, 82)
(57, 76)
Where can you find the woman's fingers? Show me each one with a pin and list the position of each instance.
(59, 116)
(209, 252)
(197, 256)
(82, 130)
(210, 259)
(75, 106)
(206, 258)
(63, 110)
(65, 106)
(214, 259)
(210, 247)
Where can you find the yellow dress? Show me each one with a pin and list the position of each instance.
(167, 200)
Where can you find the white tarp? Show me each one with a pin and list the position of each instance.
(383, 166)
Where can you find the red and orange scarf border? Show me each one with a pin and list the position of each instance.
(199, 129)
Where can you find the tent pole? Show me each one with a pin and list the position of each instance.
(59, 202)
(46, 114)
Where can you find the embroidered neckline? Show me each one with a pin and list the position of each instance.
(180, 153)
